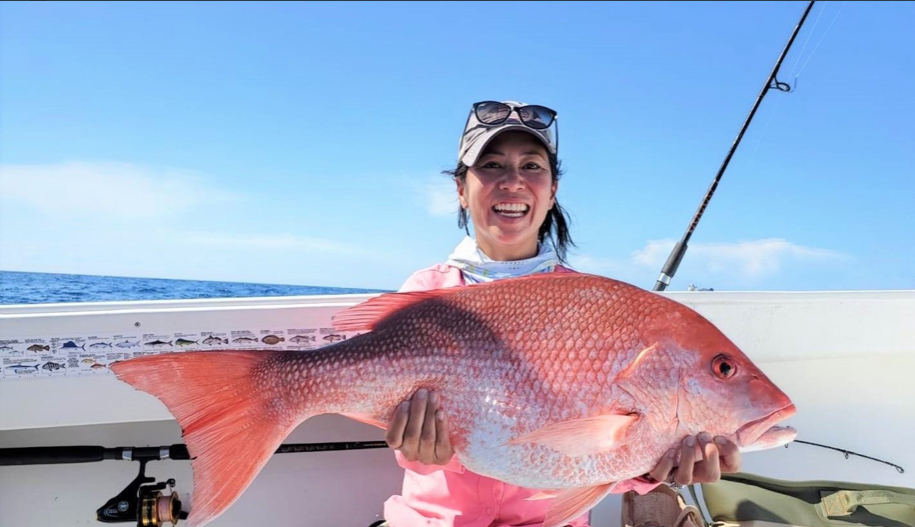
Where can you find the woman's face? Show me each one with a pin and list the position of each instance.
(509, 192)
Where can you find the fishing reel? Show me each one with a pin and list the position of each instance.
(143, 501)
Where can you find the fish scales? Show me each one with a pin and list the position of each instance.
(502, 369)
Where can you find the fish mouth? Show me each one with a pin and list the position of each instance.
(772, 438)
(762, 433)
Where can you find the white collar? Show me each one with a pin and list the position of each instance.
(477, 267)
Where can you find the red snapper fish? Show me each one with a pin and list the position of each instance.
(568, 383)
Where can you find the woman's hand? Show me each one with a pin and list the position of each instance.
(706, 466)
(419, 430)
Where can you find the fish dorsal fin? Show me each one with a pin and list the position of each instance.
(582, 437)
(573, 503)
(367, 315)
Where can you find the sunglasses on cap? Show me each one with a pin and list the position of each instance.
(494, 113)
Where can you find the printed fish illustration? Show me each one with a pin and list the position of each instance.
(38, 347)
(100, 345)
(127, 344)
(564, 382)
(6, 348)
(302, 338)
(185, 342)
(97, 366)
(72, 345)
(272, 339)
(21, 368)
(214, 341)
(88, 361)
(158, 343)
(52, 366)
(334, 338)
(244, 340)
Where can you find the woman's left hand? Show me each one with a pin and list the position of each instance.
(702, 465)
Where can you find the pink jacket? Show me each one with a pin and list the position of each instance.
(452, 496)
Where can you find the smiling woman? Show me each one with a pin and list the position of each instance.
(513, 164)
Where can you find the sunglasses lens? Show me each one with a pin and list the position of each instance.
(538, 117)
(492, 112)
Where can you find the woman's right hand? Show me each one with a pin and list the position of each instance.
(419, 430)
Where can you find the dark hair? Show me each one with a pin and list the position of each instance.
(556, 224)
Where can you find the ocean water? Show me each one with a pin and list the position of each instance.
(41, 288)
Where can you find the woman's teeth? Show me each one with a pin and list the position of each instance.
(512, 210)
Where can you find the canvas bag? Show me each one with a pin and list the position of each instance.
(749, 500)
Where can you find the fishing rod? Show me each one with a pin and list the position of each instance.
(850, 453)
(52, 455)
(676, 254)
(142, 501)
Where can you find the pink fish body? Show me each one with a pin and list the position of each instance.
(567, 383)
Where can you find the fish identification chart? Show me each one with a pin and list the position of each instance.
(90, 354)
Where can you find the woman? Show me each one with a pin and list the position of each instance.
(507, 178)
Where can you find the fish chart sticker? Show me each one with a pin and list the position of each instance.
(272, 338)
(29, 358)
(213, 339)
(302, 338)
(244, 339)
(90, 354)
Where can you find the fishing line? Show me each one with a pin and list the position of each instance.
(809, 35)
(762, 133)
(819, 42)
(794, 73)
(850, 453)
(778, 102)
(781, 85)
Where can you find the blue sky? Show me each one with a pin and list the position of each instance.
(303, 143)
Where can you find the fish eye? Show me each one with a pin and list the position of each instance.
(724, 367)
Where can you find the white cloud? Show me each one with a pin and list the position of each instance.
(108, 189)
(749, 259)
(129, 220)
(653, 254)
(751, 264)
(437, 195)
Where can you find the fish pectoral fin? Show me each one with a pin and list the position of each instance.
(573, 503)
(582, 437)
(544, 495)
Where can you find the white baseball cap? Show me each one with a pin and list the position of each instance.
(488, 119)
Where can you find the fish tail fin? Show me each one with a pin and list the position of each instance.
(229, 422)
